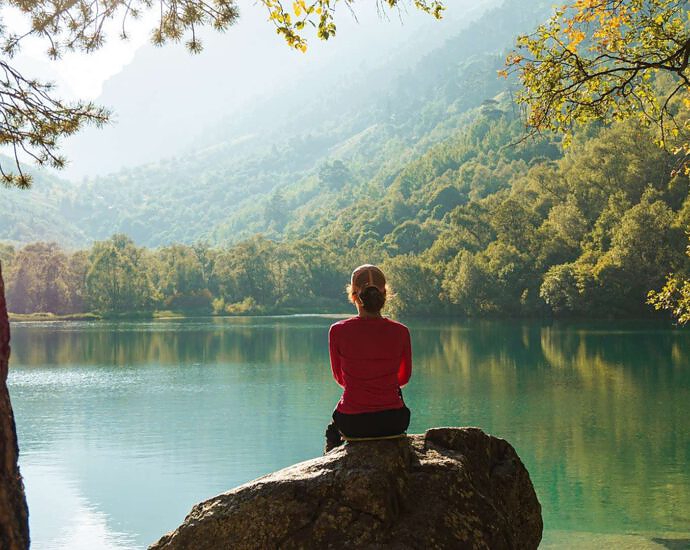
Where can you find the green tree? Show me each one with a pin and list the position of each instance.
(39, 280)
(608, 60)
(334, 175)
(276, 210)
(644, 247)
(560, 235)
(119, 277)
(465, 283)
(674, 297)
(410, 236)
(416, 286)
(182, 277)
(560, 288)
(244, 271)
(77, 270)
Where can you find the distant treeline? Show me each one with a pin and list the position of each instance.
(115, 277)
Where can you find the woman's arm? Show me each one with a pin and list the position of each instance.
(405, 370)
(335, 357)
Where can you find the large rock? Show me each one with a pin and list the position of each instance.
(448, 488)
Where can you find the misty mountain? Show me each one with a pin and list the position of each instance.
(361, 118)
(166, 99)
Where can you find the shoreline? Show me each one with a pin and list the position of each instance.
(167, 315)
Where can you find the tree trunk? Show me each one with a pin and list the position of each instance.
(14, 513)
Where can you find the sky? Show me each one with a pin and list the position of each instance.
(82, 76)
(163, 99)
(78, 75)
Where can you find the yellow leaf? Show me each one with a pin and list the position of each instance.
(576, 37)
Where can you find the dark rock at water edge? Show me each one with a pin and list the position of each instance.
(448, 488)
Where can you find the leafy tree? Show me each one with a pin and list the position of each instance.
(465, 283)
(334, 175)
(77, 270)
(244, 271)
(608, 60)
(674, 296)
(181, 277)
(599, 59)
(643, 246)
(325, 268)
(416, 286)
(39, 280)
(559, 237)
(560, 289)
(276, 211)
(514, 223)
(6, 254)
(511, 284)
(119, 277)
(599, 239)
(410, 236)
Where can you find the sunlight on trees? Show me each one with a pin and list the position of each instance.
(608, 60)
(602, 60)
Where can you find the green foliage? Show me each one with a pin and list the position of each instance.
(118, 279)
(585, 233)
(416, 286)
(599, 60)
(466, 218)
(40, 279)
(609, 61)
(567, 236)
(561, 289)
(466, 284)
(334, 175)
(674, 297)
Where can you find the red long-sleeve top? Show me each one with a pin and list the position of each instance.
(371, 358)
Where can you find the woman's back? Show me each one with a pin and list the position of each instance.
(371, 359)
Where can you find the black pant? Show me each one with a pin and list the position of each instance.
(375, 424)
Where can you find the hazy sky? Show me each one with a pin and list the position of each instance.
(82, 76)
(162, 99)
(76, 74)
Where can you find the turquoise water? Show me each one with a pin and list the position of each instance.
(124, 426)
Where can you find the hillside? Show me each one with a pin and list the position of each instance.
(373, 121)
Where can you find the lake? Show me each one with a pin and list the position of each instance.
(124, 426)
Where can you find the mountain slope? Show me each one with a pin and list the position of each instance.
(276, 154)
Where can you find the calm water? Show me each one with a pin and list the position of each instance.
(123, 427)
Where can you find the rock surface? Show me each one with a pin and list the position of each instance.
(449, 488)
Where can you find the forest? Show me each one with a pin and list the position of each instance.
(477, 226)
(424, 169)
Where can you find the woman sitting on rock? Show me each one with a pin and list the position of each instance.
(371, 358)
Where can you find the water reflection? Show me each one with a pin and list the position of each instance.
(144, 419)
